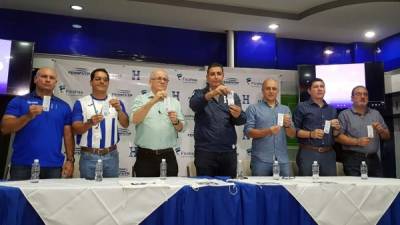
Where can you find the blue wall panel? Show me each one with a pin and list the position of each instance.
(363, 52)
(255, 54)
(390, 52)
(98, 38)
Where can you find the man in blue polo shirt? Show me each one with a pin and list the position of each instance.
(269, 136)
(39, 131)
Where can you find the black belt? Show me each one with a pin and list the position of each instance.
(99, 151)
(359, 154)
(321, 149)
(155, 151)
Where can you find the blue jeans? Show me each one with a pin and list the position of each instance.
(326, 161)
(260, 168)
(87, 164)
(24, 172)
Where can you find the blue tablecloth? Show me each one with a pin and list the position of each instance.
(251, 205)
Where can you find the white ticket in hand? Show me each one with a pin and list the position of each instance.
(370, 131)
(327, 127)
(230, 98)
(167, 104)
(46, 103)
(280, 119)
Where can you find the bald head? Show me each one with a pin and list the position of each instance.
(270, 90)
(45, 80)
(46, 70)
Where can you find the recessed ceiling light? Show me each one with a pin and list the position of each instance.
(273, 26)
(77, 26)
(256, 37)
(369, 34)
(328, 52)
(76, 7)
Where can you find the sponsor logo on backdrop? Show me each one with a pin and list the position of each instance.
(190, 134)
(69, 92)
(79, 72)
(124, 131)
(231, 81)
(245, 99)
(252, 83)
(122, 93)
(189, 117)
(132, 151)
(248, 151)
(124, 172)
(175, 94)
(184, 154)
(135, 74)
(143, 92)
(187, 80)
(115, 76)
(178, 150)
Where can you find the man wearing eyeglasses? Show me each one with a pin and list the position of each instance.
(217, 112)
(96, 118)
(362, 130)
(158, 118)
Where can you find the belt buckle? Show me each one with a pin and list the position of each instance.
(320, 149)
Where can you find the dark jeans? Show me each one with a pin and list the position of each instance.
(352, 163)
(24, 172)
(326, 161)
(215, 163)
(148, 162)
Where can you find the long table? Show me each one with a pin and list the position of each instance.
(178, 201)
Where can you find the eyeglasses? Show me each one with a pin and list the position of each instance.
(159, 79)
(358, 94)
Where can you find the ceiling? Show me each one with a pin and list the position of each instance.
(343, 21)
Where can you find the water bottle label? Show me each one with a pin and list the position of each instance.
(230, 98)
(327, 126)
(280, 119)
(370, 131)
(46, 103)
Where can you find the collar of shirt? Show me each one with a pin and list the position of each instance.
(276, 104)
(353, 110)
(311, 102)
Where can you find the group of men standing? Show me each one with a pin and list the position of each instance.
(95, 119)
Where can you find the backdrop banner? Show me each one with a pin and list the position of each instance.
(128, 81)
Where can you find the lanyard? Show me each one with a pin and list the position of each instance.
(94, 105)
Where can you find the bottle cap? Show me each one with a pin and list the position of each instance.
(315, 162)
(276, 161)
(162, 160)
(99, 160)
(36, 160)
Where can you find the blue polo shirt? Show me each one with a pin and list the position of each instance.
(260, 116)
(42, 137)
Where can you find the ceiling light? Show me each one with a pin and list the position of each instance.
(77, 26)
(76, 7)
(256, 37)
(369, 34)
(273, 26)
(328, 51)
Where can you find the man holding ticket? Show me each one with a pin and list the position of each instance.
(40, 122)
(217, 111)
(96, 118)
(362, 130)
(158, 118)
(268, 123)
(316, 125)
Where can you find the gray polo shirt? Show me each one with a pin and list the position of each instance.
(355, 125)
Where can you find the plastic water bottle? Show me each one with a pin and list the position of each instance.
(315, 170)
(163, 169)
(276, 170)
(98, 176)
(35, 171)
(364, 170)
(239, 169)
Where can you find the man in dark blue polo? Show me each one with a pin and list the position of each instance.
(362, 130)
(39, 130)
(316, 125)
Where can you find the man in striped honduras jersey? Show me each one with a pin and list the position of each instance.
(95, 120)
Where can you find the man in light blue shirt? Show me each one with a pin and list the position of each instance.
(158, 118)
(269, 137)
